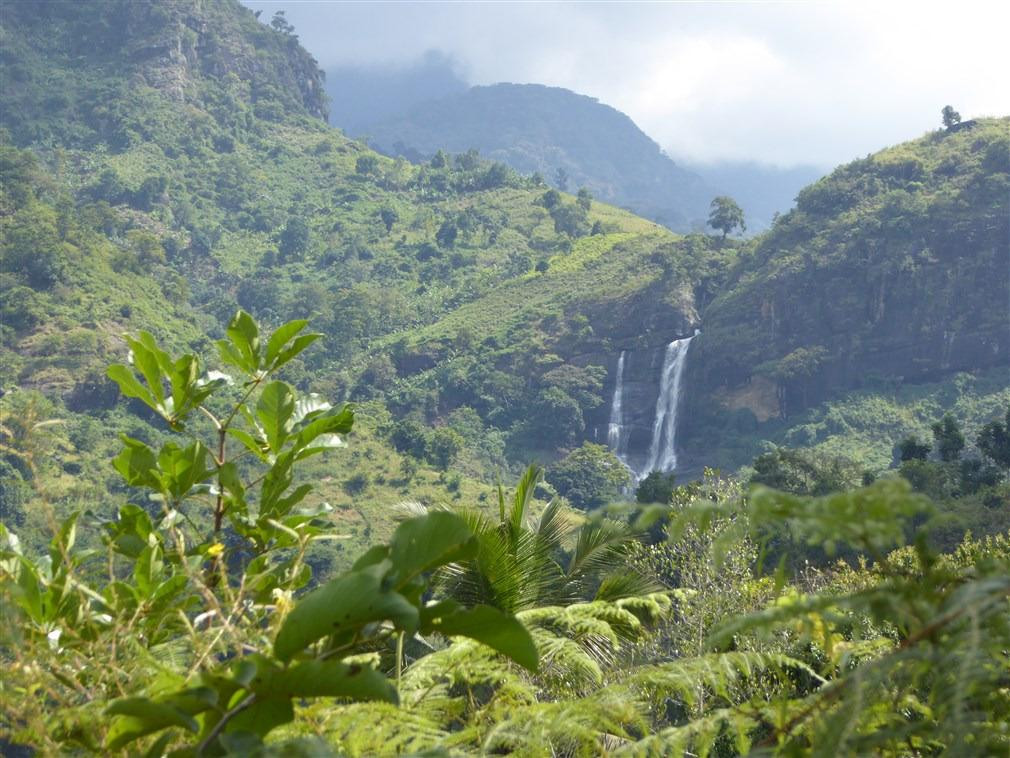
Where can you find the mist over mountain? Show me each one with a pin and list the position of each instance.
(361, 96)
(414, 110)
(762, 190)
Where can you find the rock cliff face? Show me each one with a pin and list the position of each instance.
(894, 267)
(187, 50)
(641, 328)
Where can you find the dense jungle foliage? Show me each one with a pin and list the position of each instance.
(196, 625)
(206, 549)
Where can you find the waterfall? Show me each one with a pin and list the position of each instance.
(617, 440)
(663, 449)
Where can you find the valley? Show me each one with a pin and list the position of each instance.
(422, 380)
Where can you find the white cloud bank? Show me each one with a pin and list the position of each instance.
(776, 82)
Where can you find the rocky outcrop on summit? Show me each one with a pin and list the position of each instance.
(184, 50)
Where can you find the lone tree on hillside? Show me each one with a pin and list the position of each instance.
(281, 24)
(950, 117)
(725, 215)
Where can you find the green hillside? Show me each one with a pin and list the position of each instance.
(181, 174)
(204, 179)
(533, 128)
(893, 269)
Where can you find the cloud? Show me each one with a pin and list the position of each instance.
(781, 83)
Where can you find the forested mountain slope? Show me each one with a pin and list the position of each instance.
(534, 128)
(895, 268)
(178, 170)
(456, 293)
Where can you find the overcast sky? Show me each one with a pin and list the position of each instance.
(776, 82)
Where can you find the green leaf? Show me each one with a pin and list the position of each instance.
(147, 569)
(232, 357)
(183, 468)
(274, 410)
(348, 602)
(328, 679)
(307, 407)
(182, 379)
(282, 337)
(254, 446)
(63, 542)
(129, 532)
(492, 627)
(244, 336)
(140, 716)
(296, 347)
(337, 422)
(281, 506)
(29, 597)
(148, 359)
(129, 386)
(231, 482)
(137, 464)
(422, 544)
(262, 717)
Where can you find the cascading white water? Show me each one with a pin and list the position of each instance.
(663, 448)
(617, 440)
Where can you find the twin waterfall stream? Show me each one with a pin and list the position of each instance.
(662, 454)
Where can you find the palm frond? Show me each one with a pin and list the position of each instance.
(521, 499)
(599, 548)
(627, 584)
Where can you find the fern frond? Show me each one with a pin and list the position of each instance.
(691, 679)
(590, 726)
(369, 729)
(699, 737)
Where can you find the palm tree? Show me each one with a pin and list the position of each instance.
(521, 565)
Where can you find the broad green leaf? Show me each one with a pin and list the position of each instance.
(129, 532)
(183, 468)
(147, 362)
(140, 716)
(327, 679)
(375, 554)
(251, 444)
(244, 336)
(274, 410)
(147, 569)
(29, 597)
(320, 444)
(281, 506)
(137, 464)
(192, 701)
(347, 602)
(299, 344)
(310, 405)
(262, 717)
(182, 379)
(422, 544)
(232, 357)
(281, 337)
(339, 422)
(232, 483)
(275, 484)
(129, 386)
(492, 627)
